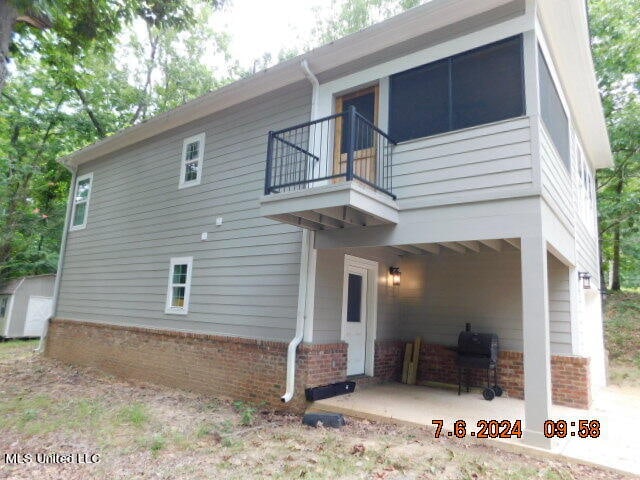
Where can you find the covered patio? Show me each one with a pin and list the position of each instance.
(517, 288)
(392, 402)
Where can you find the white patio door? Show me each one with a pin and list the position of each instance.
(354, 317)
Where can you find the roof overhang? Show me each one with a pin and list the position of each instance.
(566, 29)
(433, 15)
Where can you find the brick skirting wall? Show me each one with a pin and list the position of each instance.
(569, 375)
(255, 370)
(388, 360)
(236, 368)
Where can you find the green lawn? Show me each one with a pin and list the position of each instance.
(145, 431)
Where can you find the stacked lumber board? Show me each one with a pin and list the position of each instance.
(410, 363)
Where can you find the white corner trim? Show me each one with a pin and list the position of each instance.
(187, 286)
(7, 314)
(200, 138)
(79, 179)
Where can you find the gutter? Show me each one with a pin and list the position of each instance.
(305, 259)
(63, 247)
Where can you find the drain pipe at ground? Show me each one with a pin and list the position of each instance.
(63, 246)
(307, 246)
(302, 295)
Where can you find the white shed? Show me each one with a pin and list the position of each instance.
(25, 304)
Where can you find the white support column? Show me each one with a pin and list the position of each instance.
(535, 333)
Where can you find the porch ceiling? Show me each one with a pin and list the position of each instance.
(458, 247)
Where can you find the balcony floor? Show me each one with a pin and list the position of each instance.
(333, 206)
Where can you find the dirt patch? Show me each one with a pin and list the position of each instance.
(149, 432)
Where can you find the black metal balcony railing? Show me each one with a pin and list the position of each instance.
(341, 147)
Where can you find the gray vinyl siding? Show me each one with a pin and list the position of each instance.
(557, 188)
(40, 286)
(440, 293)
(245, 276)
(559, 306)
(479, 163)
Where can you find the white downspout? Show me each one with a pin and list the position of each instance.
(293, 344)
(63, 247)
(316, 87)
(307, 246)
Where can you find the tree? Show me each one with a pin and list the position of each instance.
(616, 50)
(49, 110)
(68, 28)
(356, 15)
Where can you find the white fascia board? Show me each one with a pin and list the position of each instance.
(431, 16)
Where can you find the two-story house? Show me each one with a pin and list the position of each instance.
(297, 227)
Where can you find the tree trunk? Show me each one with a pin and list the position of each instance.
(615, 263)
(8, 16)
(92, 116)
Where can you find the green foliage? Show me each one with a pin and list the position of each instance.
(247, 412)
(356, 15)
(60, 99)
(135, 414)
(616, 50)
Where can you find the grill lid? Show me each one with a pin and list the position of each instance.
(474, 343)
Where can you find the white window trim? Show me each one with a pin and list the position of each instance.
(200, 138)
(187, 286)
(81, 178)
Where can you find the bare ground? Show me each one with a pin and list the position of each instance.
(150, 432)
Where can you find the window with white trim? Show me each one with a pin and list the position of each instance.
(179, 286)
(81, 197)
(191, 164)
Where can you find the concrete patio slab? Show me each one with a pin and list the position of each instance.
(617, 411)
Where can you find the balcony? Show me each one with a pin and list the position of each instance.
(334, 172)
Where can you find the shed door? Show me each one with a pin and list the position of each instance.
(38, 310)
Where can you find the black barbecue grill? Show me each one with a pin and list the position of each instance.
(479, 351)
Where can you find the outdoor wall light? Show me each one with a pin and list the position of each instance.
(586, 279)
(395, 275)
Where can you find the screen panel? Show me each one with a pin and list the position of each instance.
(487, 84)
(480, 86)
(365, 105)
(419, 102)
(552, 112)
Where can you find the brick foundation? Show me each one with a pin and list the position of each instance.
(255, 370)
(571, 381)
(236, 368)
(569, 375)
(321, 364)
